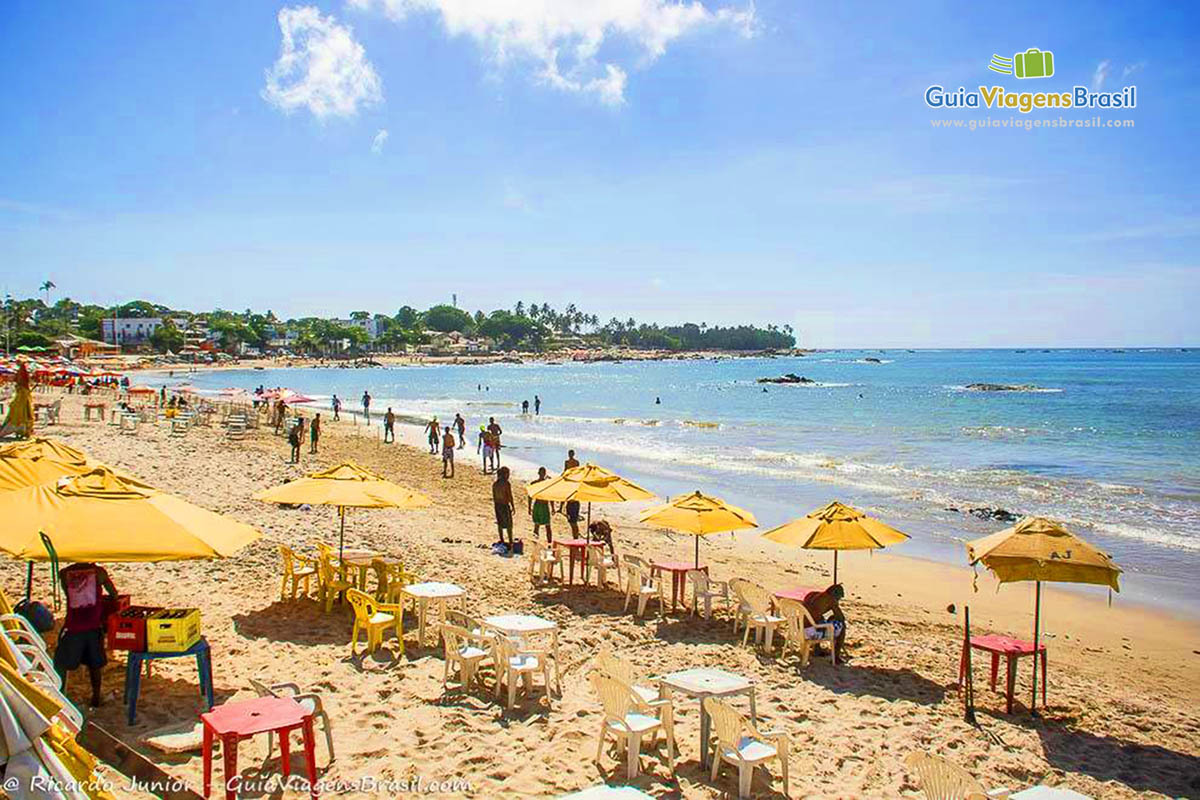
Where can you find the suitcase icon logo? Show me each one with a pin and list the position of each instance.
(1033, 63)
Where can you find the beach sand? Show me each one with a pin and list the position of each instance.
(1124, 682)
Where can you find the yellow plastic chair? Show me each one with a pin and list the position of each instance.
(374, 618)
(331, 584)
(741, 609)
(542, 561)
(390, 579)
(736, 741)
(465, 652)
(760, 618)
(517, 663)
(296, 568)
(796, 637)
(705, 588)
(629, 719)
(611, 665)
(944, 780)
(643, 586)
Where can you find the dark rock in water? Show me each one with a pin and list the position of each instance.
(791, 377)
(1002, 387)
(872, 360)
(993, 514)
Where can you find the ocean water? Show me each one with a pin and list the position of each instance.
(1109, 443)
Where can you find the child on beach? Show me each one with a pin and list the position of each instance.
(433, 430)
(366, 404)
(448, 453)
(460, 425)
(337, 408)
(295, 437)
(502, 500)
(540, 510)
(486, 447)
(314, 433)
(495, 431)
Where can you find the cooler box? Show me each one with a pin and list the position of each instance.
(127, 628)
(173, 630)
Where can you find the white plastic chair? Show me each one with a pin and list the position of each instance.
(760, 619)
(796, 632)
(542, 561)
(705, 588)
(311, 701)
(465, 653)
(516, 663)
(629, 719)
(738, 742)
(611, 665)
(643, 586)
(944, 780)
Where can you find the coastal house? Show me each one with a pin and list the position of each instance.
(455, 343)
(133, 331)
(372, 326)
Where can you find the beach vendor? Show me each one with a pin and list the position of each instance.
(81, 641)
(826, 607)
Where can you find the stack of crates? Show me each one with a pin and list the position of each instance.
(127, 628)
(172, 630)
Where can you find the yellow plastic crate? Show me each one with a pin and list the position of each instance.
(172, 630)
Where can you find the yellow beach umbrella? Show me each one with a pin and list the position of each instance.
(345, 486)
(35, 461)
(699, 515)
(588, 484)
(1038, 549)
(103, 516)
(836, 527)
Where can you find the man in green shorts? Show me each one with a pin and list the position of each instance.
(540, 509)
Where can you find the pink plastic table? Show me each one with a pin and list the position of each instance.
(799, 594)
(1012, 649)
(233, 722)
(576, 551)
(679, 571)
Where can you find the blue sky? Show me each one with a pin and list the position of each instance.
(726, 163)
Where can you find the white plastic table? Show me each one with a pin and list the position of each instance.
(703, 682)
(422, 593)
(519, 626)
(1048, 793)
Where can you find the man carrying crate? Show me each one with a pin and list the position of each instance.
(81, 640)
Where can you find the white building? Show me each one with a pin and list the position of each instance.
(133, 330)
(372, 326)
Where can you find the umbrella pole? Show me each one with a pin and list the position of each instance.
(835, 554)
(589, 523)
(28, 581)
(341, 531)
(697, 552)
(1037, 620)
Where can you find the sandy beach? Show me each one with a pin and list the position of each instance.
(1124, 681)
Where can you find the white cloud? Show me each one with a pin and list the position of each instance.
(1100, 75)
(1132, 69)
(562, 40)
(378, 142)
(320, 67)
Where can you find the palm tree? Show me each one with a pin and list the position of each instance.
(46, 287)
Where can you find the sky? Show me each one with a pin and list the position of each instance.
(724, 162)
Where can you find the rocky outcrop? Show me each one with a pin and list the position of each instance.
(1003, 387)
(791, 377)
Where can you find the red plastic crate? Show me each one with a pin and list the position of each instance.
(127, 628)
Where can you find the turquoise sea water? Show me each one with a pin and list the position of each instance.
(1110, 444)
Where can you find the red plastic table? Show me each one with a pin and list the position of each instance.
(1012, 649)
(576, 551)
(799, 594)
(679, 571)
(233, 722)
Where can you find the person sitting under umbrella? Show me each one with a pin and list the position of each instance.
(826, 607)
(81, 640)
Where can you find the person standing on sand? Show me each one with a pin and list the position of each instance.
(502, 499)
(314, 433)
(537, 405)
(81, 641)
(495, 430)
(460, 425)
(433, 434)
(447, 453)
(572, 505)
(540, 509)
(337, 408)
(389, 426)
(295, 436)
(485, 446)
(366, 403)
